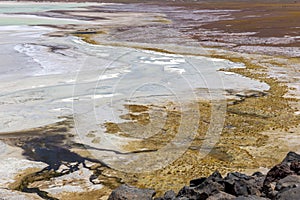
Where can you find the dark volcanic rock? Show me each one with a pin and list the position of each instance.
(215, 177)
(290, 181)
(198, 181)
(291, 194)
(203, 188)
(290, 157)
(169, 195)
(282, 182)
(221, 196)
(295, 166)
(190, 193)
(212, 185)
(258, 174)
(210, 188)
(278, 172)
(125, 192)
(181, 198)
(240, 184)
(289, 166)
(251, 197)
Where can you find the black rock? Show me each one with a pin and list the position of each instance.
(240, 184)
(278, 172)
(251, 197)
(289, 166)
(291, 194)
(256, 185)
(125, 192)
(215, 177)
(169, 195)
(282, 182)
(237, 187)
(290, 181)
(209, 188)
(290, 157)
(237, 176)
(221, 196)
(196, 194)
(212, 185)
(295, 166)
(196, 182)
(188, 192)
(203, 188)
(181, 198)
(258, 174)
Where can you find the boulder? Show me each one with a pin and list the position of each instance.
(275, 178)
(291, 157)
(190, 193)
(258, 174)
(181, 198)
(290, 181)
(221, 196)
(203, 188)
(291, 194)
(169, 195)
(236, 187)
(212, 185)
(278, 172)
(240, 184)
(209, 188)
(295, 166)
(196, 182)
(126, 192)
(215, 177)
(251, 197)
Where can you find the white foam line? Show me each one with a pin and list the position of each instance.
(89, 97)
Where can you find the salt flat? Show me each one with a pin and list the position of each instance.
(104, 81)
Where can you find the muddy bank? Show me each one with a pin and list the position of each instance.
(269, 28)
(65, 170)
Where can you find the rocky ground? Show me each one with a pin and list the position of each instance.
(282, 182)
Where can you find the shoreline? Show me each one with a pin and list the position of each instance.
(261, 111)
(280, 182)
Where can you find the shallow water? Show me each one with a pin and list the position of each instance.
(12, 13)
(13, 7)
(38, 79)
(45, 78)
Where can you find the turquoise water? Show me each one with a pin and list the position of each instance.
(7, 10)
(12, 7)
(32, 20)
